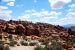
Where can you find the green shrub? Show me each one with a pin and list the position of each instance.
(24, 43)
(39, 48)
(32, 43)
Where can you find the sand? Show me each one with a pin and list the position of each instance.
(22, 48)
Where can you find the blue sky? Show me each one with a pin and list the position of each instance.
(57, 12)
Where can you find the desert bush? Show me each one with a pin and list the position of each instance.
(48, 48)
(0, 36)
(1, 47)
(70, 40)
(6, 47)
(41, 40)
(24, 37)
(32, 43)
(10, 37)
(15, 42)
(39, 48)
(1, 42)
(44, 41)
(12, 43)
(24, 43)
(56, 45)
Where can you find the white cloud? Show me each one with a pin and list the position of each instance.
(71, 10)
(67, 20)
(8, 0)
(2, 14)
(5, 13)
(3, 7)
(60, 21)
(42, 13)
(24, 17)
(45, 16)
(6, 18)
(10, 3)
(72, 6)
(71, 14)
(40, 16)
(57, 4)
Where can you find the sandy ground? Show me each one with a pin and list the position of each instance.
(22, 48)
(25, 48)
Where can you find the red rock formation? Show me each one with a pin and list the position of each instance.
(29, 28)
